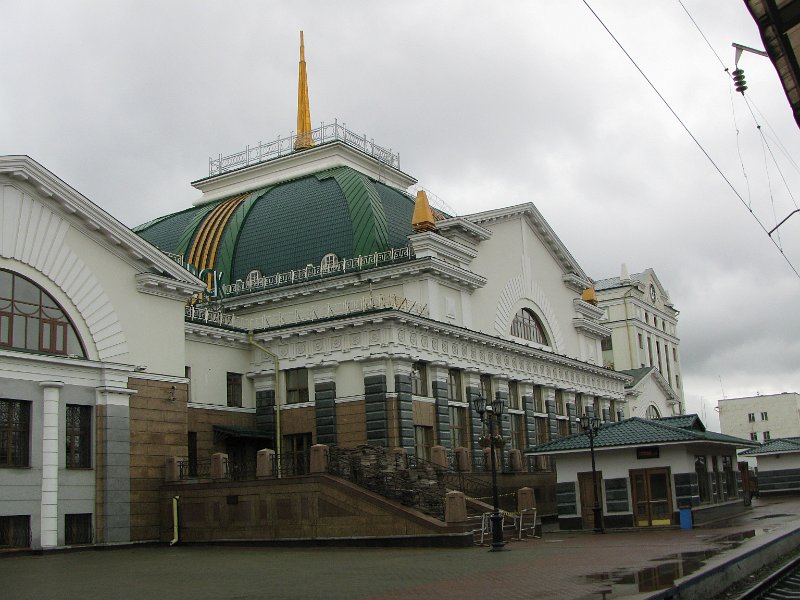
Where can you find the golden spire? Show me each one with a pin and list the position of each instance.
(304, 139)
(423, 219)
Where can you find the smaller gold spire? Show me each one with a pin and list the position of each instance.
(304, 139)
(423, 219)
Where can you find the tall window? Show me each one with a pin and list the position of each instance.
(764, 416)
(703, 483)
(15, 531)
(79, 437)
(652, 412)
(538, 399)
(15, 433)
(458, 426)
(514, 400)
(235, 389)
(30, 319)
(419, 379)
(766, 436)
(517, 423)
(296, 386)
(486, 387)
(527, 326)
(754, 436)
(454, 393)
(423, 441)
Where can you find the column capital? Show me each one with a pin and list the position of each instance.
(51, 384)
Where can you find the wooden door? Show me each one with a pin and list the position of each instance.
(652, 497)
(586, 490)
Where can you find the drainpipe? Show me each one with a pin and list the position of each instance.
(175, 524)
(277, 399)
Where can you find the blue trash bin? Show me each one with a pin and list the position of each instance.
(686, 518)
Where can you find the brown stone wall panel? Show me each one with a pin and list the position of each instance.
(424, 413)
(393, 430)
(298, 420)
(351, 424)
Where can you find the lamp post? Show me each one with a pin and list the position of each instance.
(488, 412)
(590, 425)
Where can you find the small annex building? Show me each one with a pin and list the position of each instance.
(778, 463)
(647, 469)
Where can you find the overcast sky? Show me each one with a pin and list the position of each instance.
(488, 104)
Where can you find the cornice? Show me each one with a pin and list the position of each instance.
(164, 287)
(299, 164)
(586, 309)
(465, 227)
(208, 334)
(432, 244)
(94, 219)
(575, 283)
(591, 328)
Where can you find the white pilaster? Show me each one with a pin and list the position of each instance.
(50, 452)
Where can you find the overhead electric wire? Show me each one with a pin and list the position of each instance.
(691, 135)
(739, 149)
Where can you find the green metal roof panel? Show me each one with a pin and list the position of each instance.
(366, 211)
(776, 446)
(635, 432)
(691, 421)
(294, 224)
(637, 374)
(230, 236)
(399, 211)
(165, 233)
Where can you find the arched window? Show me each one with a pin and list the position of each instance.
(253, 278)
(329, 263)
(652, 412)
(30, 319)
(527, 326)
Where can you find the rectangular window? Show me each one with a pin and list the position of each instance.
(458, 427)
(78, 529)
(677, 382)
(486, 387)
(235, 389)
(79, 437)
(764, 416)
(296, 386)
(765, 436)
(703, 483)
(423, 441)
(191, 448)
(754, 436)
(538, 400)
(751, 417)
(187, 372)
(674, 354)
(514, 401)
(641, 342)
(517, 432)
(606, 344)
(15, 531)
(15, 432)
(419, 379)
(563, 428)
(650, 351)
(454, 393)
(560, 408)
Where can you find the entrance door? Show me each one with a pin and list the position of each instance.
(586, 489)
(652, 497)
(297, 453)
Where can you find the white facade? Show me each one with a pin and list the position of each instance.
(761, 418)
(643, 323)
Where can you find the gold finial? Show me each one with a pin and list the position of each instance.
(589, 295)
(423, 219)
(304, 139)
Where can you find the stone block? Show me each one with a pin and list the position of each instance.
(265, 463)
(526, 499)
(439, 457)
(319, 458)
(515, 460)
(462, 460)
(171, 470)
(455, 507)
(219, 462)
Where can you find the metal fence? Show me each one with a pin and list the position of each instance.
(325, 133)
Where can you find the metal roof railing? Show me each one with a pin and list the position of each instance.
(325, 133)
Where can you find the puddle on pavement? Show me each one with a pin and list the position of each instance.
(671, 567)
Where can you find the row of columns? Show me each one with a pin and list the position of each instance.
(388, 425)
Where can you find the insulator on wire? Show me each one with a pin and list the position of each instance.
(738, 80)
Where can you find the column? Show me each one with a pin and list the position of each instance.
(404, 406)
(375, 402)
(113, 518)
(325, 405)
(438, 375)
(51, 447)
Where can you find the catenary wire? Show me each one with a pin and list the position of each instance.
(691, 135)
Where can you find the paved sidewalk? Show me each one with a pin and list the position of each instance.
(562, 565)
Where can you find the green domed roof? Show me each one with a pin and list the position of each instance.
(287, 225)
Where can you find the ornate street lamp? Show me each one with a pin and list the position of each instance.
(590, 425)
(488, 412)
